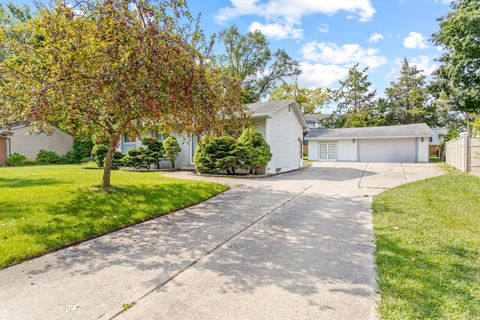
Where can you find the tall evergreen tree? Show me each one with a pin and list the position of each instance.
(408, 97)
(354, 100)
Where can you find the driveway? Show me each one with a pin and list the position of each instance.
(294, 246)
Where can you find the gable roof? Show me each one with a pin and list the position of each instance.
(315, 117)
(400, 131)
(269, 108)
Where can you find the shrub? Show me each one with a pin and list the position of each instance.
(253, 151)
(117, 160)
(48, 157)
(216, 154)
(99, 153)
(143, 157)
(171, 149)
(15, 159)
(82, 148)
(139, 158)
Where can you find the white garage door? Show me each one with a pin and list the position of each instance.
(387, 150)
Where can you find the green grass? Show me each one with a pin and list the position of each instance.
(43, 208)
(434, 159)
(428, 248)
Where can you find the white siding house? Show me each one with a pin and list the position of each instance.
(281, 123)
(403, 143)
(25, 140)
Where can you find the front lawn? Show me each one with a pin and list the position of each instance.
(43, 208)
(428, 248)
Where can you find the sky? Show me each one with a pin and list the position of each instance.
(328, 37)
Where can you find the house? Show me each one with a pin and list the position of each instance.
(401, 143)
(436, 140)
(22, 138)
(314, 120)
(281, 123)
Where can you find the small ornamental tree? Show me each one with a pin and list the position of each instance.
(254, 149)
(171, 149)
(103, 68)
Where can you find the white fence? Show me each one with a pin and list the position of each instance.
(464, 154)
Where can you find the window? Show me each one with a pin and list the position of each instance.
(431, 139)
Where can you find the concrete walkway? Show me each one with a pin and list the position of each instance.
(294, 246)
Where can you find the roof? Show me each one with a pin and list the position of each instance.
(315, 117)
(400, 131)
(14, 125)
(269, 108)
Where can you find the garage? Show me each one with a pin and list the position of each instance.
(400, 143)
(387, 150)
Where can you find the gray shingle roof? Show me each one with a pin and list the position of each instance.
(315, 117)
(267, 108)
(401, 131)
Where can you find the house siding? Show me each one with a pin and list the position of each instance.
(28, 143)
(261, 126)
(283, 130)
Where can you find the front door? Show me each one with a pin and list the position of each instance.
(328, 151)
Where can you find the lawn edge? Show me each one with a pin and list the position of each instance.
(77, 242)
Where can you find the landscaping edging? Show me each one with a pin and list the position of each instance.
(147, 170)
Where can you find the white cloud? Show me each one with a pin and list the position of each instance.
(277, 30)
(415, 40)
(345, 55)
(324, 28)
(375, 37)
(294, 10)
(320, 75)
(423, 63)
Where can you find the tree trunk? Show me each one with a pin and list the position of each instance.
(107, 167)
(173, 163)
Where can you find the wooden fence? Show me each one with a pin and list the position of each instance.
(464, 154)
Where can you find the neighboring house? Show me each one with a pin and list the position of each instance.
(436, 140)
(281, 123)
(22, 138)
(314, 120)
(403, 143)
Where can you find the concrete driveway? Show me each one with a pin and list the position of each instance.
(294, 246)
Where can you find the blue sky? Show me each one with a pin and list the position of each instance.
(329, 36)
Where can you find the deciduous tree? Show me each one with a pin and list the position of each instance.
(309, 100)
(249, 59)
(108, 67)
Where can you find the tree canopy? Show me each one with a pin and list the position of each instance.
(458, 76)
(309, 100)
(107, 67)
(249, 59)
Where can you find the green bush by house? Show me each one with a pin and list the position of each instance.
(225, 154)
(15, 159)
(256, 150)
(48, 157)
